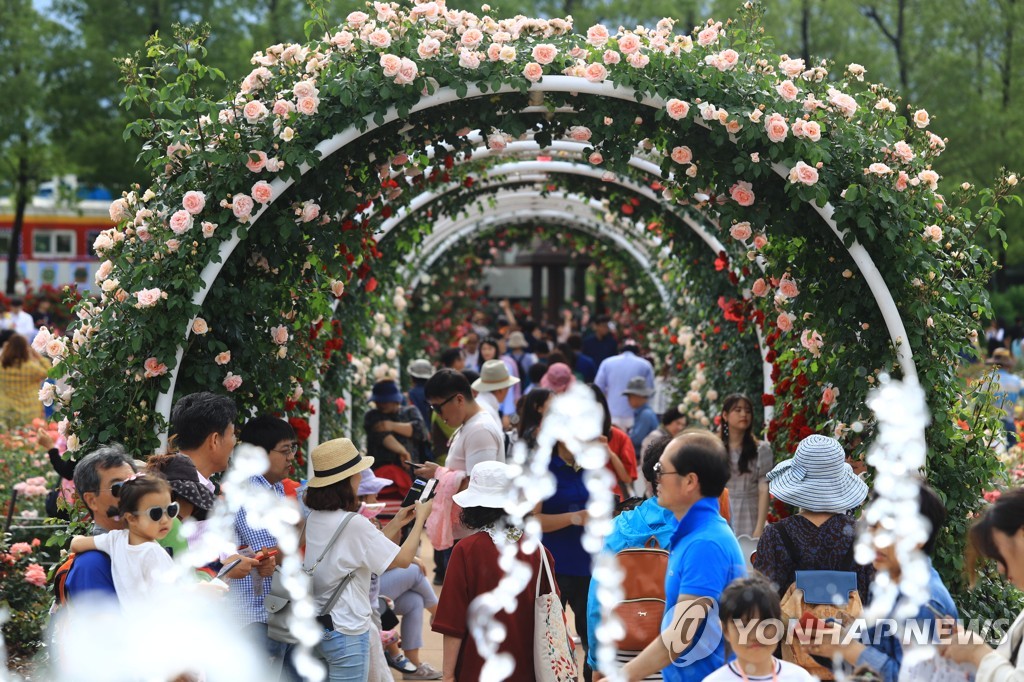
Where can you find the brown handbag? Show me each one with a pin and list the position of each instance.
(643, 588)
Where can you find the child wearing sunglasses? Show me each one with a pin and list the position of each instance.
(138, 563)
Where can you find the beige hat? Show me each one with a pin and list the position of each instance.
(494, 376)
(335, 461)
(1003, 358)
(421, 369)
(517, 340)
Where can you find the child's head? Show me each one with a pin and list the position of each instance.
(751, 619)
(144, 502)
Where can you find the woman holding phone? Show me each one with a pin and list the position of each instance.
(362, 550)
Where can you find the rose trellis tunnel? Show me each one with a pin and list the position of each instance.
(281, 218)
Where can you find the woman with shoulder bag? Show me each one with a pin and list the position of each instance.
(361, 550)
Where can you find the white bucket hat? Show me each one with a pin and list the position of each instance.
(494, 376)
(489, 486)
(421, 369)
(817, 478)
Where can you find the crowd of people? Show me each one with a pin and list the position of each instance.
(693, 503)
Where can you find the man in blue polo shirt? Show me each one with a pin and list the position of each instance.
(705, 557)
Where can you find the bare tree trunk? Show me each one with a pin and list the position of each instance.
(21, 197)
(895, 37)
(805, 31)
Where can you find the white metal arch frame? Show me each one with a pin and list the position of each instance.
(553, 84)
(525, 206)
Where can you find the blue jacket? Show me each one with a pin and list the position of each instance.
(632, 529)
(884, 652)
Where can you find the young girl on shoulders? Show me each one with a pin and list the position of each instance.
(137, 562)
(752, 623)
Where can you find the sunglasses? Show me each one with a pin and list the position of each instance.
(157, 513)
(439, 406)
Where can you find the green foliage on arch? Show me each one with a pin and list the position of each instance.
(751, 142)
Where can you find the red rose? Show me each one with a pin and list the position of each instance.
(767, 399)
(301, 427)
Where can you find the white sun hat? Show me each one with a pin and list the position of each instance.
(489, 486)
(817, 478)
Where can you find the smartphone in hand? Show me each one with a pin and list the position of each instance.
(421, 490)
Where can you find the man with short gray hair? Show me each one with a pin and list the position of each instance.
(97, 476)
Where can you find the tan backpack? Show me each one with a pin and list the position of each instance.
(826, 595)
(643, 590)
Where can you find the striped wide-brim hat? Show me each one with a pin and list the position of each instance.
(817, 478)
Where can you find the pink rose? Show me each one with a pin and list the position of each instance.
(56, 348)
(496, 142)
(741, 231)
(391, 63)
(232, 382)
(181, 222)
(787, 90)
(106, 267)
(595, 73)
(279, 334)
(677, 109)
(208, 230)
(254, 111)
(638, 60)
(933, 232)
(760, 287)
(828, 396)
(356, 19)
(903, 151)
(379, 39)
(629, 43)
(304, 88)
(199, 326)
(309, 212)
(469, 59)
(283, 108)
(727, 59)
(337, 288)
(172, 245)
(597, 35)
(119, 210)
(102, 242)
(242, 206)
(682, 155)
(307, 106)
(879, 169)
(262, 192)
(843, 102)
(223, 358)
(785, 321)
(407, 72)
(342, 39)
(147, 298)
(611, 57)
(256, 164)
(21, 548)
(580, 133)
(812, 130)
(902, 180)
(788, 288)
(35, 575)
(742, 193)
(803, 174)
(929, 178)
(792, 67)
(595, 158)
(428, 48)
(709, 36)
(545, 53)
(533, 71)
(154, 368)
(812, 341)
(776, 127)
(472, 38)
(921, 118)
(760, 241)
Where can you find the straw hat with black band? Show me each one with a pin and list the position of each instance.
(335, 461)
